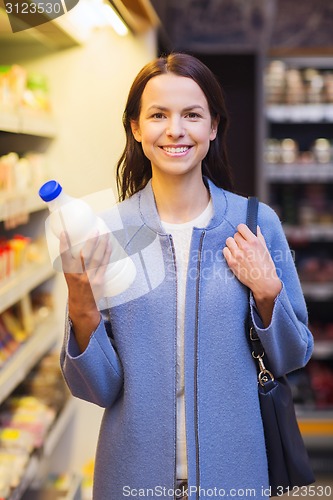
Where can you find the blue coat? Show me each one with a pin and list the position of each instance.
(129, 366)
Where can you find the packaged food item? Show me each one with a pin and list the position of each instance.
(16, 439)
(322, 150)
(19, 245)
(12, 86)
(7, 172)
(275, 82)
(29, 414)
(295, 92)
(12, 468)
(272, 151)
(289, 150)
(13, 325)
(36, 94)
(314, 85)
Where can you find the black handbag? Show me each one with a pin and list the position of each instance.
(288, 460)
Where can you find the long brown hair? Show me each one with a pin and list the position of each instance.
(134, 168)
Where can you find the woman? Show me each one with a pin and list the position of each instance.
(169, 359)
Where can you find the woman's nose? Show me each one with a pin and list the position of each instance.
(175, 127)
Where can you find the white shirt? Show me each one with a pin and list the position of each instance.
(181, 235)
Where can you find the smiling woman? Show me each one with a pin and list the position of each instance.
(160, 359)
(206, 104)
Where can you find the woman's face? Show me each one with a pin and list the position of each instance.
(175, 126)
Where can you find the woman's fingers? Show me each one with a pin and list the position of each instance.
(228, 257)
(234, 244)
(93, 252)
(69, 263)
(246, 232)
(94, 255)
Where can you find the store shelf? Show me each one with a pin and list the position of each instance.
(323, 349)
(25, 121)
(9, 122)
(74, 492)
(23, 281)
(311, 232)
(318, 291)
(28, 477)
(58, 428)
(15, 203)
(300, 113)
(302, 194)
(315, 172)
(23, 360)
(24, 130)
(316, 427)
(75, 489)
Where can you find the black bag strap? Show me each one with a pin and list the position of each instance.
(256, 346)
(252, 213)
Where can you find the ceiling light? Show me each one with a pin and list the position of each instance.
(91, 14)
(113, 19)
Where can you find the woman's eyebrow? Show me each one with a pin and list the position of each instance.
(194, 106)
(163, 108)
(157, 106)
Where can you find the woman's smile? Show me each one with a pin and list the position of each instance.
(176, 150)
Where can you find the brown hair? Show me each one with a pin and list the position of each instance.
(133, 167)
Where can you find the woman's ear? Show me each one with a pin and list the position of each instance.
(215, 125)
(136, 130)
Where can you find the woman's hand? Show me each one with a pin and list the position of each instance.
(248, 257)
(84, 276)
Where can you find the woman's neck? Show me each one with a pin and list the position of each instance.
(180, 199)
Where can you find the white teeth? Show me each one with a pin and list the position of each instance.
(174, 150)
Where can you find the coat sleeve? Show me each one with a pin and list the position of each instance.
(95, 375)
(287, 341)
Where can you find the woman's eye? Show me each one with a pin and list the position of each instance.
(193, 115)
(158, 116)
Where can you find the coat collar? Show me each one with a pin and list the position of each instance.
(149, 213)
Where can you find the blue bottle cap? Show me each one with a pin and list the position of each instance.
(50, 190)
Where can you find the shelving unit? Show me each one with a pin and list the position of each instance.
(299, 113)
(300, 191)
(74, 492)
(300, 173)
(17, 286)
(37, 458)
(25, 128)
(23, 121)
(15, 370)
(18, 202)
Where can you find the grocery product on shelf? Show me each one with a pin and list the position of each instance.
(20, 88)
(287, 151)
(26, 418)
(18, 252)
(287, 84)
(13, 81)
(22, 173)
